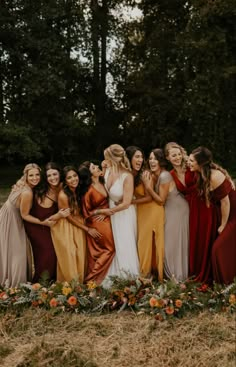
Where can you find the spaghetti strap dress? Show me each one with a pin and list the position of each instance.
(44, 255)
(13, 243)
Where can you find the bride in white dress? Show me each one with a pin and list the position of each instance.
(119, 185)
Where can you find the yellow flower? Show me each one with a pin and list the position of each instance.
(66, 290)
(91, 284)
(178, 303)
(232, 298)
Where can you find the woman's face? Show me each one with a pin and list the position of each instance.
(33, 177)
(72, 179)
(175, 157)
(53, 177)
(153, 163)
(137, 160)
(192, 163)
(95, 170)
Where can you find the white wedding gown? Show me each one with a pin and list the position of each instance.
(124, 228)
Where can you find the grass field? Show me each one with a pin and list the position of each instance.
(37, 338)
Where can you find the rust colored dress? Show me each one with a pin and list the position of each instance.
(44, 255)
(100, 252)
(224, 247)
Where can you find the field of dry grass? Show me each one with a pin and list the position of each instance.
(38, 339)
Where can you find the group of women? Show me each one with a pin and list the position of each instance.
(129, 218)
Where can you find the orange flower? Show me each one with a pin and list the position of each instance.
(153, 302)
(3, 295)
(53, 302)
(159, 317)
(72, 300)
(169, 310)
(178, 303)
(35, 303)
(232, 298)
(160, 303)
(36, 286)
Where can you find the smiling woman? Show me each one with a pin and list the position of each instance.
(13, 240)
(40, 213)
(94, 198)
(69, 233)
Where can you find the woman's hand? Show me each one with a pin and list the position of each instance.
(48, 223)
(99, 217)
(64, 212)
(94, 233)
(147, 179)
(221, 228)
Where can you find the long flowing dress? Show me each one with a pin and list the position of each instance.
(176, 231)
(200, 236)
(100, 252)
(124, 228)
(44, 255)
(224, 247)
(13, 243)
(70, 246)
(150, 235)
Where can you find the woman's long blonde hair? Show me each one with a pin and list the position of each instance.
(173, 144)
(116, 156)
(22, 182)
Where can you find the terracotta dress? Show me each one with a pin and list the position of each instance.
(13, 243)
(200, 236)
(41, 242)
(100, 252)
(224, 247)
(176, 231)
(70, 246)
(151, 218)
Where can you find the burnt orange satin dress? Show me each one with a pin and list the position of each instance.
(100, 252)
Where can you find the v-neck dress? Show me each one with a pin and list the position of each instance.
(124, 228)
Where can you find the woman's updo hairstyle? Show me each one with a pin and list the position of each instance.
(116, 156)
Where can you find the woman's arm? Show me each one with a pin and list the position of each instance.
(26, 202)
(225, 210)
(160, 197)
(128, 190)
(63, 203)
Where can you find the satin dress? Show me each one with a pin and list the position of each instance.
(101, 251)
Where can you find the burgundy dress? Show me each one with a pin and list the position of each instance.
(224, 247)
(200, 225)
(41, 242)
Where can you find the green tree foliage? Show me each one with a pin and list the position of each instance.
(77, 75)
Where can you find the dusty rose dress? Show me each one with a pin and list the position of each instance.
(13, 243)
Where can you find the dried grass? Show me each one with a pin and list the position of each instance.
(38, 339)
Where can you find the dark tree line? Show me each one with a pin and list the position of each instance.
(76, 76)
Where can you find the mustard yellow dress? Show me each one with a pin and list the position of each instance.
(151, 218)
(70, 246)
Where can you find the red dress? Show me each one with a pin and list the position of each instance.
(41, 242)
(102, 250)
(224, 247)
(200, 229)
